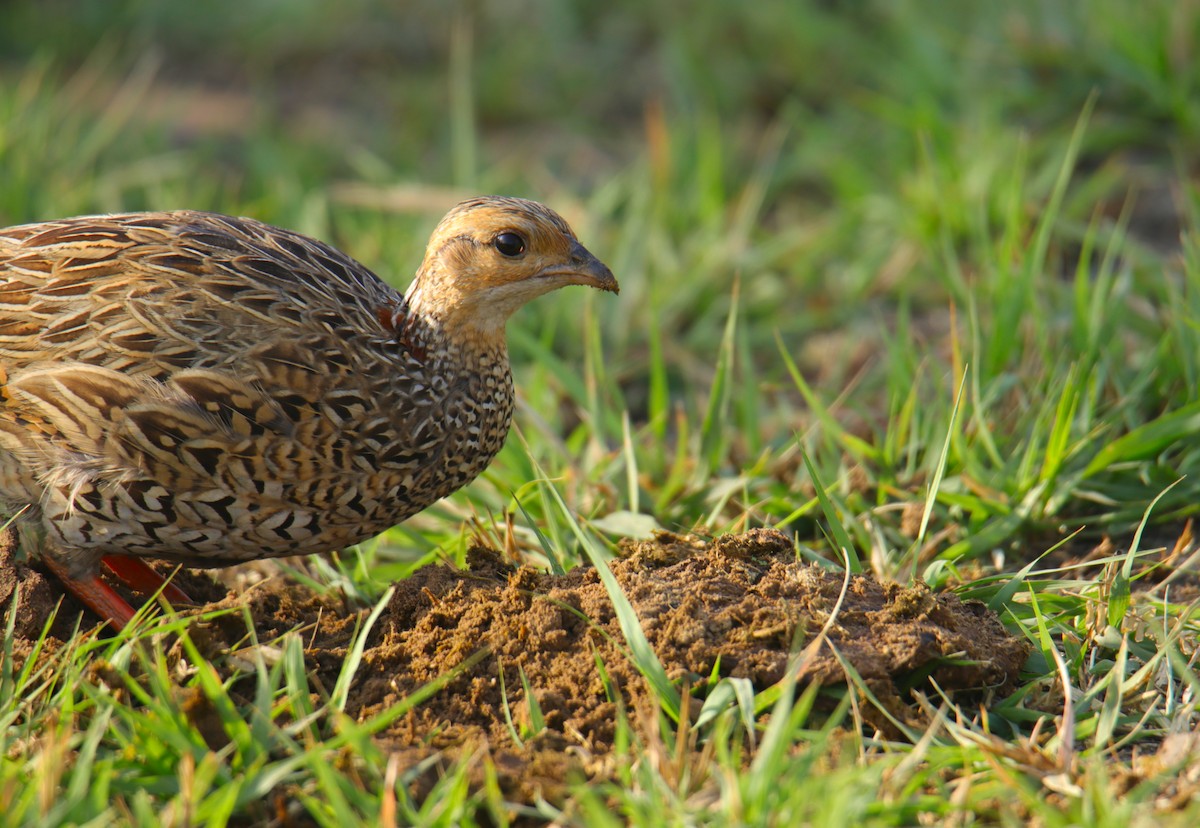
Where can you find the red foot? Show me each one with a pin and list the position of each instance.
(107, 602)
(142, 577)
(95, 594)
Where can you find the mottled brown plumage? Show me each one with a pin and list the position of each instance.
(210, 390)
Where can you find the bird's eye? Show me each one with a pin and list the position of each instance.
(509, 244)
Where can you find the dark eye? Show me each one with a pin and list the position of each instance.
(509, 244)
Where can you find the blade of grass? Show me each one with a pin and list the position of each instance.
(644, 657)
(938, 473)
(840, 536)
(341, 689)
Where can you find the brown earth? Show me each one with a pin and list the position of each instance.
(738, 606)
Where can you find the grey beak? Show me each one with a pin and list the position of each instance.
(592, 271)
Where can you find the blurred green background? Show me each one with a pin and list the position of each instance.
(810, 146)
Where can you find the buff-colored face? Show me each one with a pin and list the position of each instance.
(491, 255)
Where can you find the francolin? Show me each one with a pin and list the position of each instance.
(211, 390)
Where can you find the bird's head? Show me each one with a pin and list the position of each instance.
(489, 256)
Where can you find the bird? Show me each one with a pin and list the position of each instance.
(210, 390)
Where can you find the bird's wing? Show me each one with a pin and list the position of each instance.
(203, 466)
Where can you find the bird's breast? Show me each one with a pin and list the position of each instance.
(446, 427)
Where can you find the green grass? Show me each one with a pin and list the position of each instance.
(919, 282)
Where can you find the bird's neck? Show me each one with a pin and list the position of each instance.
(440, 318)
(442, 340)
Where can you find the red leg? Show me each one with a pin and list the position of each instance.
(142, 577)
(95, 594)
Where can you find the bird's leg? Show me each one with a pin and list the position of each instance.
(142, 577)
(98, 596)
(95, 594)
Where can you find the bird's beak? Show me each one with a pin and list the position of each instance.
(585, 269)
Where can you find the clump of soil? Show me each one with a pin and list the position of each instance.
(739, 606)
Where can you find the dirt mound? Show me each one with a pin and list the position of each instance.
(737, 606)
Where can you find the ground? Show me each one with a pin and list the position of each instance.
(737, 606)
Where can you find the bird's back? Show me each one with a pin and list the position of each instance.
(148, 293)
